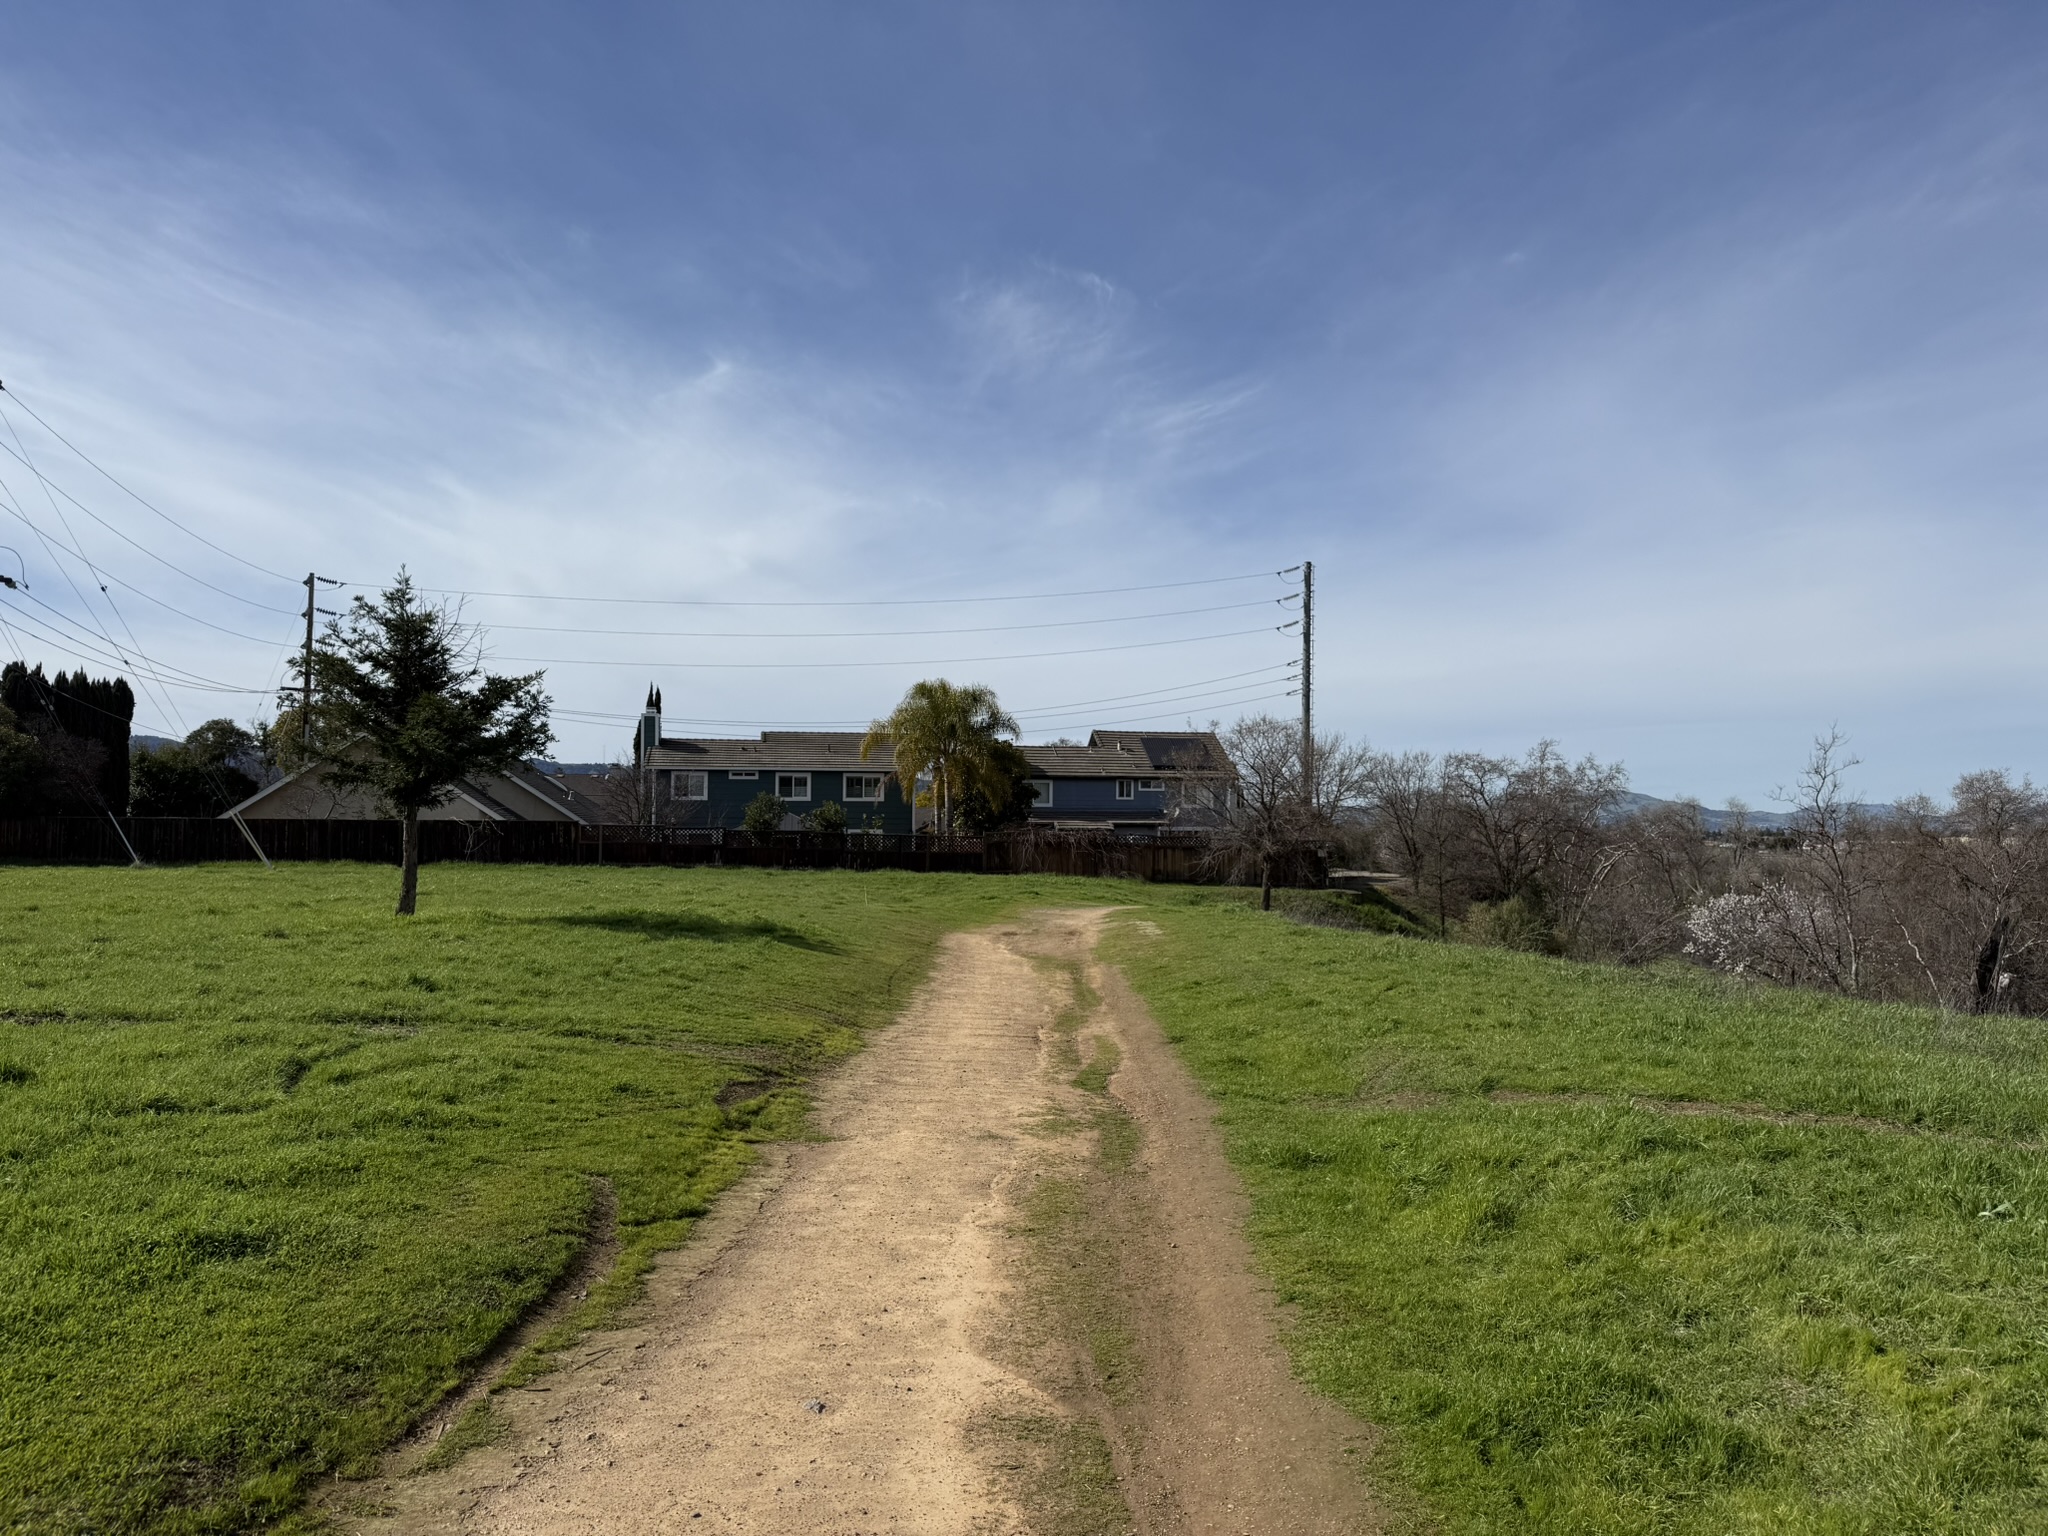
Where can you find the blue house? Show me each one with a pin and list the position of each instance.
(1129, 781)
(1124, 781)
(707, 781)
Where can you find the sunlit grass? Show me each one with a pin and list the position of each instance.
(275, 1165)
(1580, 1312)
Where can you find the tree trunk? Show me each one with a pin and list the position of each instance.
(1266, 884)
(409, 864)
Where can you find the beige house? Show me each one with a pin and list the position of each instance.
(525, 794)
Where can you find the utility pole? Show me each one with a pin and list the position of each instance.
(312, 578)
(1308, 662)
(306, 714)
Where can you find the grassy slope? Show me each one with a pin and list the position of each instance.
(274, 1165)
(1588, 1316)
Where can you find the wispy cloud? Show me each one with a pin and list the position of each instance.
(1630, 380)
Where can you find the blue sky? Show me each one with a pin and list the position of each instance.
(1664, 379)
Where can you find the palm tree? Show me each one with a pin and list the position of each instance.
(949, 732)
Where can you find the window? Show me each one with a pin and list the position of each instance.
(1041, 791)
(1152, 786)
(1125, 788)
(793, 786)
(863, 786)
(742, 773)
(689, 786)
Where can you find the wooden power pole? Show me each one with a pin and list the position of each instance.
(1308, 677)
(312, 587)
(306, 714)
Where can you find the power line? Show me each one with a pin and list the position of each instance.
(159, 511)
(84, 603)
(85, 651)
(142, 677)
(1152, 694)
(943, 661)
(11, 505)
(49, 484)
(1180, 713)
(1182, 709)
(874, 634)
(878, 602)
(1172, 693)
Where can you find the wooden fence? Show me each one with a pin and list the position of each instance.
(1178, 857)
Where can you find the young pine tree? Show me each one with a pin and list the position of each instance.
(408, 709)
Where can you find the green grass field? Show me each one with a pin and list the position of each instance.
(275, 1165)
(1578, 1314)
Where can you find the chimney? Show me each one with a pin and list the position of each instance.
(650, 727)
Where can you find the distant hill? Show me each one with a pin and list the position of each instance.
(1717, 820)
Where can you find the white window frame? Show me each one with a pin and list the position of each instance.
(880, 781)
(1127, 789)
(689, 784)
(792, 780)
(1152, 786)
(742, 773)
(1042, 789)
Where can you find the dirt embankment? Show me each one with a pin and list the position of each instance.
(1007, 1293)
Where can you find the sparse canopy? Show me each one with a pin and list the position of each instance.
(1272, 811)
(951, 733)
(410, 709)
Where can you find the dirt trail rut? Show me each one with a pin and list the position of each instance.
(867, 1336)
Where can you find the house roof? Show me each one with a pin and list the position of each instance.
(1108, 755)
(558, 791)
(541, 786)
(792, 750)
(1119, 754)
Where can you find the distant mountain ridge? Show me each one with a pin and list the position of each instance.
(1717, 820)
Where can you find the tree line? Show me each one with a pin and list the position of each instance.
(66, 749)
(1941, 902)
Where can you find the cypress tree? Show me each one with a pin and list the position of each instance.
(94, 712)
(99, 709)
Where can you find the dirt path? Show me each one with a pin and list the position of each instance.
(996, 1299)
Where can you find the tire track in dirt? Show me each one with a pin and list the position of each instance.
(867, 1337)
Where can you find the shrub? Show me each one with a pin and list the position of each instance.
(763, 815)
(1517, 923)
(829, 817)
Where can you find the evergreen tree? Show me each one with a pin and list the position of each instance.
(82, 724)
(202, 775)
(412, 710)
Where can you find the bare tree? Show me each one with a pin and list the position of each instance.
(1271, 815)
(1965, 892)
(1401, 791)
(1661, 863)
(1827, 906)
(1404, 796)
